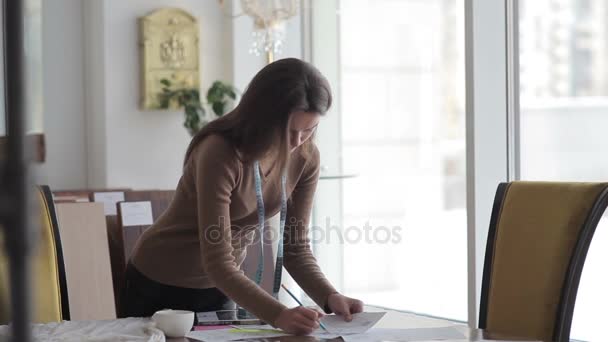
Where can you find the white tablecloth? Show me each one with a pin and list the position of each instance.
(120, 330)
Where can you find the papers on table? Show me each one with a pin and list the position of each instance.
(359, 329)
(335, 325)
(231, 333)
(361, 323)
(406, 335)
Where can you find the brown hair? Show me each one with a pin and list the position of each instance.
(260, 121)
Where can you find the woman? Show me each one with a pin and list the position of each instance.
(190, 258)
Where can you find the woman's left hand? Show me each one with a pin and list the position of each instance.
(344, 306)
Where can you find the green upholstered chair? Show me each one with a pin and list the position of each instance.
(539, 236)
(49, 289)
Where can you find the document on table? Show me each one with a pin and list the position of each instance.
(248, 332)
(407, 335)
(335, 325)
(232, 334)
(361, 323)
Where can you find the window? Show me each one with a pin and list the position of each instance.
(564, 117)
(403, 132)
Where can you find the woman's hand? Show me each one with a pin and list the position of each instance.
(344, 306)
(299, 320)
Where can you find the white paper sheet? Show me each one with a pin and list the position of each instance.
(361, 323)
(323, 334)
(406, 335)
(232, 334)
(109, 200)
(136, 213)
(247, 331)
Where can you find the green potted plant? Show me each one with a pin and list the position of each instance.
(219, 96)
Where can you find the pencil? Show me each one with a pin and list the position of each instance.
(300, 303)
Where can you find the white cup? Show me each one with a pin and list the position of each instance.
(174, 323)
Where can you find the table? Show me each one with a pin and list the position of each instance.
(70, 330)
(395, 319)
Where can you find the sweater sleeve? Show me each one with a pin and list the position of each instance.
(216, 171)
(299, 260)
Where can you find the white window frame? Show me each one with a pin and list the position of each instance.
(328, 135)
(492, 117)
(488, 88)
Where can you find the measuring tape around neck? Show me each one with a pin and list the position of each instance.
(262, 223)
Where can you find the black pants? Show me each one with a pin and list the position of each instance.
(142, 297)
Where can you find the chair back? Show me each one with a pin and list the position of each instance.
(538, 239)
(49, 290)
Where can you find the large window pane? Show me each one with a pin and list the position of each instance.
(564, 119)
(403, 132)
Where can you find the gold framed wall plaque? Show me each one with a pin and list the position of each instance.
(169, 49)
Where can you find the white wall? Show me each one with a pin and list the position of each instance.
(93, 15)
(144, 149)
(96, 134)
(62, 53)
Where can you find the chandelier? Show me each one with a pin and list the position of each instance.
(269, 18)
